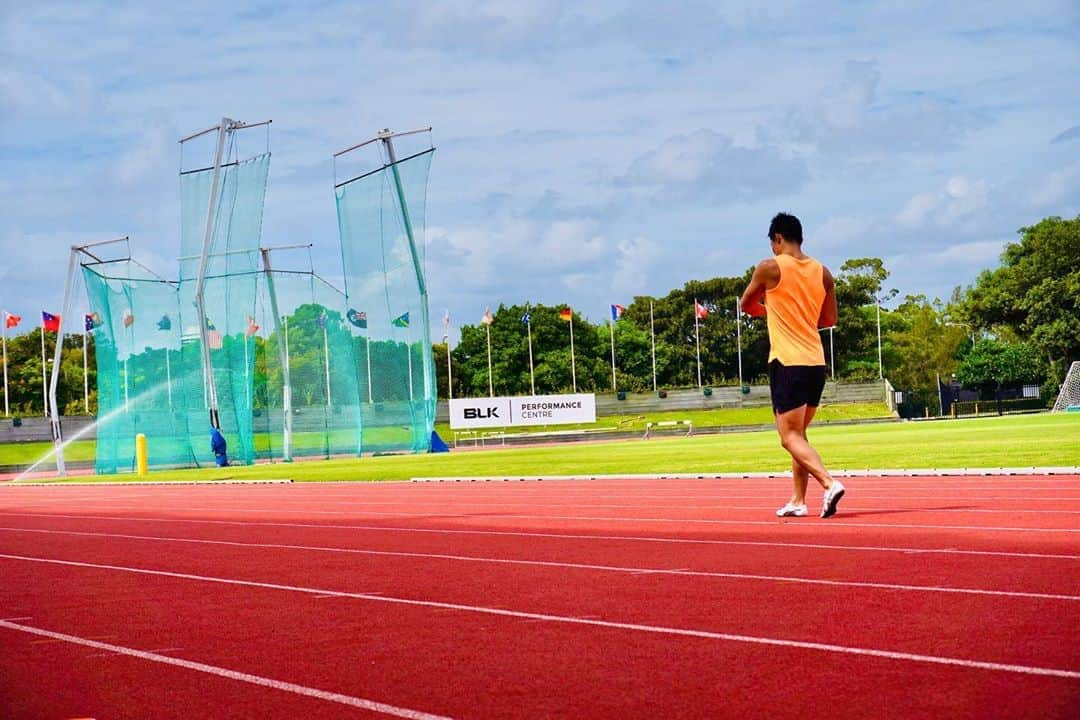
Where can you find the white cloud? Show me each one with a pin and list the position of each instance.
(706, 165)
(657, 136)
(958, 201)
(1055, 187)
(635, 261)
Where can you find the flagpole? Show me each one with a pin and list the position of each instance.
(86, 380)
(44, 390)
(326, 355)
(697, 341)
(738, 335)
(6, 409)
(652, 331)
(532, 376)
(832, 357)
(449, 358)
(367, 345)
(491, 387)
(573, 364)
(611, 327)
(449, 371)
(168, 374)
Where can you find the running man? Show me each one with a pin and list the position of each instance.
(797, 295)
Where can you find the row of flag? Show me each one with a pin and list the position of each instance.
(50, 322)
(358, 319)
(567, 314)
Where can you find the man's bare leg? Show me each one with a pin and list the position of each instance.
(799, 474)
(791, 426)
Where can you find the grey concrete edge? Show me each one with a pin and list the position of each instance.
(142, 483)
(869, 472)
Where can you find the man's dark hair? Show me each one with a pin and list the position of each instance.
(788, 226)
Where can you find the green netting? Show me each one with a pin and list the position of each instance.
(300, 368)
(141, 376)
(381, 223)
(310, 329)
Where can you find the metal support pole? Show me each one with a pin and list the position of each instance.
(283, 355)
(223, 129)
(58, 438)
(387, 139)
(881, 370)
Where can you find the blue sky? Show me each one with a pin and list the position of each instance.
(585, 155)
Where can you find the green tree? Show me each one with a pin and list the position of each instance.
(992, 363)
(1035, 293)
(923, 347)
(859, 286)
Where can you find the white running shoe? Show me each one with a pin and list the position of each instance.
(831, 499)
(791, 510)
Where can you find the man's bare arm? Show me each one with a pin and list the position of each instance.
(766, 274)
(828, 308)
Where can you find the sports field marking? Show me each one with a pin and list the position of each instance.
(636, 627)
(293, 503)
(289, 687)
(765, 509)
(685, 572)
(601, 518)
(561, 536)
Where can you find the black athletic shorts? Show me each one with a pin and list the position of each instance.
(796, 385)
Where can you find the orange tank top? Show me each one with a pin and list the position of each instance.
(792, 311)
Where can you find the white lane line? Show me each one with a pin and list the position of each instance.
(685, 572)
(289, 687)
(601, 518)
(562, 536)
(712, 504)
(654, 629)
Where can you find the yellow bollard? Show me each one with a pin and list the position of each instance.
(140, 454)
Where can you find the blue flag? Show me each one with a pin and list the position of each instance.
(358, 319)
(401, 321)
(527, 317)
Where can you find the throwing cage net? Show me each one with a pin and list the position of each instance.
(292, 365)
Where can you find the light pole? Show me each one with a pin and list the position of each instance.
(964, 324)
(880, 368)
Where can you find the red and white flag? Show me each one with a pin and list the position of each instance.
(700, 311)
(252, 328)
(10, 320)
(488, 317)
(214, 339)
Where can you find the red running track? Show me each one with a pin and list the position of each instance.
(923, 597)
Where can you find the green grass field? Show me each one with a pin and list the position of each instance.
(1017, 441)
(23, 454)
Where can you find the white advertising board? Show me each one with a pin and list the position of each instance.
(527, 410)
